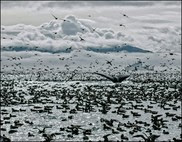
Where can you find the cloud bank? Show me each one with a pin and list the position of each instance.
(65, 35)
(154, 26)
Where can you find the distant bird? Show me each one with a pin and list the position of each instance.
(69, 48)
(30, 134)
(146, 138)
(48, 137)
(106, 137)
(71, 77)
(81, 39)
(122, 25)
(109, 62)
(41, 131)
(125, 15)
(115, 79)
(56, 18)
(124, 137)
(176, 140)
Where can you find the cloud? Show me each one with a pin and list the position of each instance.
(58, 35)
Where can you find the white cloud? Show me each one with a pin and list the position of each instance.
(57, 35)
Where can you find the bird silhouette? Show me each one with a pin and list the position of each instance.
(150, 138)
(106, 137)
(54, 16)
(4, 138)
(67, 49)
(109, 62)
(115, 79)
(81, 39)
(125, 15)
(48, 137)
(122, 25)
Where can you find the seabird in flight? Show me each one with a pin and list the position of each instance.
(81, 39)
(122, 25)
(56, 18)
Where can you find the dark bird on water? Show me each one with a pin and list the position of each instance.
(150, 138)
(4, 139)
(67, 49)
(115, 79)
(106, 137)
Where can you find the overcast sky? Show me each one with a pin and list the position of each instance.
(37, 12)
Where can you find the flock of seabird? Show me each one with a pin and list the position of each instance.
(120, 108)
(89, 100)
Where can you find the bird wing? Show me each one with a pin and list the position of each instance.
(106, 76)
(158, 116)
(120, 78)
(107, 135)
(140, 136)
(54, 16)
(154, 136)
